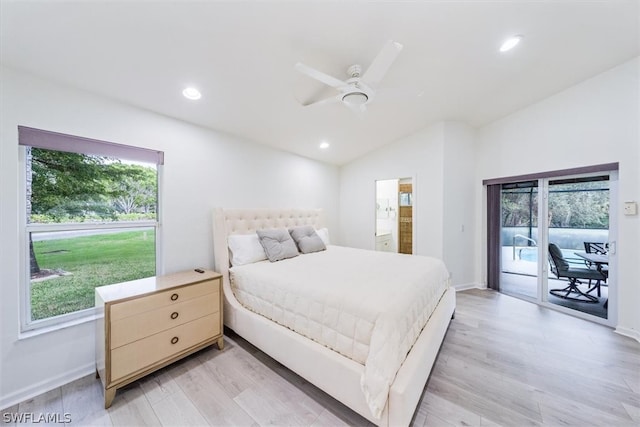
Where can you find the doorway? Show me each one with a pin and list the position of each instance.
(394, 215)
(578, 223)
(570, 217)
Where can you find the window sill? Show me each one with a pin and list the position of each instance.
(42, 330)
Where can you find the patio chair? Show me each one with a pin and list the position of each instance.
(596, 248)
(599, 248)
(561, 268)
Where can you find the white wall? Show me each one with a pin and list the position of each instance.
(459, 216)
(203, 169)
(418, 156)
(594, 122)
(440, 158)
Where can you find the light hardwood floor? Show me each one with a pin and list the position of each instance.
(503, 362)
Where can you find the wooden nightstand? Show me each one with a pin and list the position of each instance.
(150, 323)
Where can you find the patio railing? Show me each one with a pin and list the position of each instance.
(520, 236)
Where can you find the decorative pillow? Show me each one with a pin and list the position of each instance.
(245, 249)
(324, 235)
(277, 244)
(307, 240)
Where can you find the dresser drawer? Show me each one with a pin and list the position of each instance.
(148, 323)
(161, 299)
(137, 356)
(151, 322)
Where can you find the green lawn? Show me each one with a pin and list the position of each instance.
(92, 261)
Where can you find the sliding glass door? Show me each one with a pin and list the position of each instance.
(519, 235)
(556, 245)
(578, 227)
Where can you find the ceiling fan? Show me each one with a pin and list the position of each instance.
(360, 88)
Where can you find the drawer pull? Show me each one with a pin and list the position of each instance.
(174, 340)
(174, 315)
(174, 297)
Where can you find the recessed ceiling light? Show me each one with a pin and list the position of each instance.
(324, 145)
(510, 43)
(192, 93)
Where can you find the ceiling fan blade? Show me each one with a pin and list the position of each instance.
(320, 76)
(330, 100)
(381, 63)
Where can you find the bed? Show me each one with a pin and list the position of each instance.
(343, 367)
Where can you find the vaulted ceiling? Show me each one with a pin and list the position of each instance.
(241, 56)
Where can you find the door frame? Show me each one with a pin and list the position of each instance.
(543, 178)
(543, 241)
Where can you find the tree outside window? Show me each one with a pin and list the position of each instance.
(91, 221)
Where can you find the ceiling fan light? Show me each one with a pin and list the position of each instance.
(355, 98)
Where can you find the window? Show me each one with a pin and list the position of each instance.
(91, 219)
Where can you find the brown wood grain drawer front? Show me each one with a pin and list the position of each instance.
(137, 356)
(152, 322)
(133, 328)
(161, 299)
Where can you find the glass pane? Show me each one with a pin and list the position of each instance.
(579, 222)
(66, 266)
(73, 188)
(519, 236)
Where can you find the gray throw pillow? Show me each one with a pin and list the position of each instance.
(277, 244)
(307, 239)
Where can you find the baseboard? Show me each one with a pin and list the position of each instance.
(465, 286)
(631, 333)
(45, 386)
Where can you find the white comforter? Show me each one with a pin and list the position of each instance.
(369, 306)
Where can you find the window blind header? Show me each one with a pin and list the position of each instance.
(49, 140)
(606, 167)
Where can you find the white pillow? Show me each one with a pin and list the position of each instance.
(324, 235)
(245, 249)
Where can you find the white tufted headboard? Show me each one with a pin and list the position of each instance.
(246, 221)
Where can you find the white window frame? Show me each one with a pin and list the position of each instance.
(27, 325)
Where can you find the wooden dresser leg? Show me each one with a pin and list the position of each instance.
(109, 394)
(220, 343)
